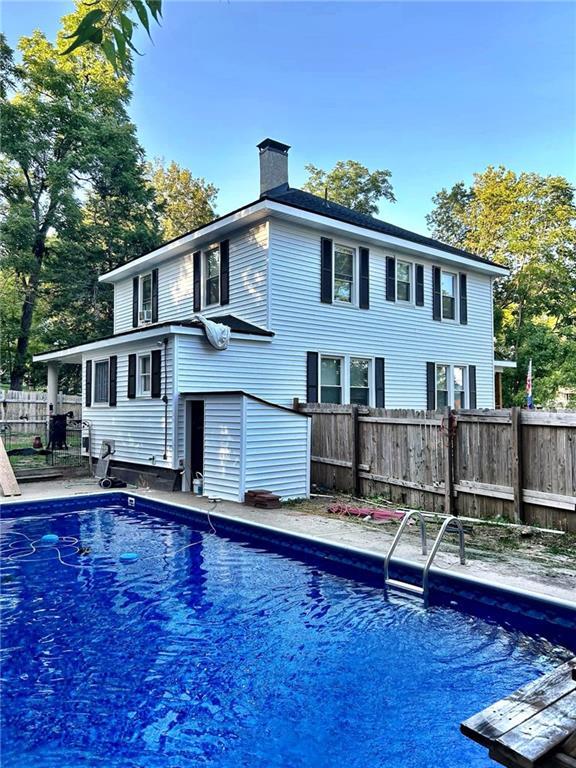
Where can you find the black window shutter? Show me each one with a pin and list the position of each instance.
(154, 295)
(436, 294)
(225, 272)
(156, 383)
(88, 393)
(463, 299)
(390, 278)
(135, 301)
(431, 386)
(196, 259)
(325, 272)
(112, 389)
(472, 385)
(419, 285)
(312, 377)
(380, 384)
(131, 376)
(364, 292)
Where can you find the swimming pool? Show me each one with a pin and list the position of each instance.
(232, 646)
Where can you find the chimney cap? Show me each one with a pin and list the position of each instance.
(275, 145)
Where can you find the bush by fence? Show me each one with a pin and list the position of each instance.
(517, 464)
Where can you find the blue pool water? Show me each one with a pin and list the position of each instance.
(211, 651)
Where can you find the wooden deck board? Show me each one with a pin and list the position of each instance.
(534, 726)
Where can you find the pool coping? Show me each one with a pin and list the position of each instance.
(463, 588)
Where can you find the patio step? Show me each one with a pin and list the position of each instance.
(35, 475)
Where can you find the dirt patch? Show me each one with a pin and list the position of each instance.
(547, 549)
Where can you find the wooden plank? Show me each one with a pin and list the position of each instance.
(496, 720)
(485, 489)
(536, 737)
(543, 499)
(355, 451)
(542, 418)
(332, 462)
(449, 425)
(517, 473)
(401, 420)
(8, 483)
(439, 489)
(466, 418)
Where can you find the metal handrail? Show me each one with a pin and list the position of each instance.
(436, 546)
(399, 533)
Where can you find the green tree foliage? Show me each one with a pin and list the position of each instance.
(527, 223)
(184, 202)
(74, 196)
(109, 25)
(351, 184)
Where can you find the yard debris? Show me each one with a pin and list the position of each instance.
(366, 513)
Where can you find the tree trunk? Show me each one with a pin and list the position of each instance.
(26, 317)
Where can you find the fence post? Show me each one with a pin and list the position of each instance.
(355, 450)
(449, 465)
(517, 469)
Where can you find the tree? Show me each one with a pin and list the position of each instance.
(69, 149)
(525, 222)
(184, 202)
(109, 25)
(351, 184)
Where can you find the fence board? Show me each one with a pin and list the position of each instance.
(24, 411)
(403, 455)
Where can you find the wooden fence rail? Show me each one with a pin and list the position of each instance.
(517, 464)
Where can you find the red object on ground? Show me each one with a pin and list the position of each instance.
(262, 499)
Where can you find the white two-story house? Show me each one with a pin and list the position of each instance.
(324, 304)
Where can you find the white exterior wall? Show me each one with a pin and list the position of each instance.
(405, 335)
(223, 446)
(248, 284)
(277, 450)
(137, 425)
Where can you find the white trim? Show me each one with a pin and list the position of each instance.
(405, 302)
(243, 422)
(143, 322)
(355, 275)
(100, 403)
(204, 277)
(456, 318)
(175, 407)
(140, 393)
(345, 358)
(450, 382)
(264, 208)
(504, 364)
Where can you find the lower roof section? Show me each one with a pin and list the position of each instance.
(74, 354)
(242, 393)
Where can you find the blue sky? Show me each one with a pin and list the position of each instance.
(432, 91)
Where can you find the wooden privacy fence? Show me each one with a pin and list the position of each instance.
(517, 464)
(25, 411)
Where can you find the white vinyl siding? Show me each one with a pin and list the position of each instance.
(248, 284)
(222, 446)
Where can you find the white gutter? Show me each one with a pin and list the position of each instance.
(129, 338)
(265, 208)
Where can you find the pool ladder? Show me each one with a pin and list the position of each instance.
(405, 585)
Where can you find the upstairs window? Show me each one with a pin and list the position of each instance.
(403, 281)
(331, 380)
(344, 258)
(101, 381)
(212, 276)
(448, 287)
(359, 381)
(146, 298)
(144, 375)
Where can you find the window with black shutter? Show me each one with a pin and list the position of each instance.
(390, 278)
(154, 297)
(113, 388)
(472, 385)
(463, 299)
(419, 279)
(431, 386)
(156, 384)
(436, 293)
(197, 280)
(312, 377)
(225, 272)
(325, 271)
(88, 384)
(135, 301)
(380, 382)
(364, 290)
(131, 394)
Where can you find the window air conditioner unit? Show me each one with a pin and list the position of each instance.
(146, 315)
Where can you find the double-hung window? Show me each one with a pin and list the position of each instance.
(212, 276)
(146, 298)
(448, 288)
(344, 268)
(403, 281)
(359, 381)
(144, 375)
(451, 386)
(331, 380)
(101, 381)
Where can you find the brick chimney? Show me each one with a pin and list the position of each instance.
(273, 165)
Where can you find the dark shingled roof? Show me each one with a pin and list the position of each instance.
(305, 201)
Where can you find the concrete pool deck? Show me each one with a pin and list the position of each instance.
(516, 571)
